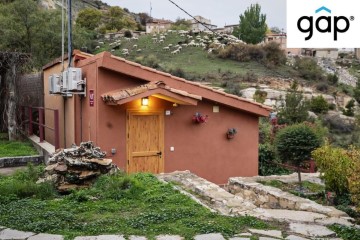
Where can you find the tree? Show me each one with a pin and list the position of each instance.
(116, 19)
(252, 26)
(89, 18)
(181, 24)
(295, 144)
(295, 109)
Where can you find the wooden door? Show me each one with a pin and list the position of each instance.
(145, 131)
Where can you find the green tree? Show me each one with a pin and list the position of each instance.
(295, 144)
(116, 19)
(181, 24)
(89, 18)
(319, 105)
(295, 108)
(252, 26)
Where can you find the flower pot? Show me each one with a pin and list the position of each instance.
(230, 135)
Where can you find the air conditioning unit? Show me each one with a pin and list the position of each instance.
(72, 79)
(54, 84)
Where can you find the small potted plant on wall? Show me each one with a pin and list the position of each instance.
(199, 118)
(231, 133)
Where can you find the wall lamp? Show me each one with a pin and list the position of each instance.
(145, 101)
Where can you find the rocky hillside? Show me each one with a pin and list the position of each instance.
(76, 4)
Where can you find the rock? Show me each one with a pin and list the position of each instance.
(101, 237)
(248, 93)
(88, 174)
(270, 233)
(293, 237)
(239, 238)
(267, 238)
(243, 235)
(169, 237)
(137, 238)
(60, 168)
(291, 215)
(44, 236)
(311, 230)
(210, 236)
(8, 234)
(104, 162)
(77, 167)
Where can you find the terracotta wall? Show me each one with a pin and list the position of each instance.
(200, 148)
(55, 101)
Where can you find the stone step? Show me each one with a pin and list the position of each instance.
(101, 237)
(314, 231)
(8, 234)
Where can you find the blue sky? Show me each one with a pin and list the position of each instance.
(220, 12)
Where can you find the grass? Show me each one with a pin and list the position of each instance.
(346, 233)
(196, 62)
(126, 204)
(15, 148)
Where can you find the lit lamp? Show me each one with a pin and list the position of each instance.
(145, 101)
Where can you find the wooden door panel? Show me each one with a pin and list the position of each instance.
(145, 142)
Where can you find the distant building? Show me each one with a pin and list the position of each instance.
(199, 24)
(321, 52)
(357, 53)
(281, 39)
(158, 25)
(228, 29)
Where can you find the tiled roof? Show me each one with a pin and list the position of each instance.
(117, 95)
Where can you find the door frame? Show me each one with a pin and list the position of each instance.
(160, 113)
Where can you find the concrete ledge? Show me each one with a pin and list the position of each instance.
(44, 148)
(20, 161)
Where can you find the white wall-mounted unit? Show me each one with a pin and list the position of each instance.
(54, 84)
(72, 79)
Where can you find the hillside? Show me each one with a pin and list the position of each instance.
(192, 62)
(76, 4)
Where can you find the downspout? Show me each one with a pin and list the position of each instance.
(69, 60)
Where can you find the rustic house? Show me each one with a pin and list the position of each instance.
(151, 121)
(158, 25)
(332, 53)
(201, 24)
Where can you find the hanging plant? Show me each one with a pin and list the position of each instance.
(231, 133)
(199, 118)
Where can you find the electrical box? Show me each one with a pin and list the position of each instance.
(54, 84)
(72, 79)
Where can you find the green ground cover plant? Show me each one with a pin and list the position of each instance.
(128, 204)
(15, 148)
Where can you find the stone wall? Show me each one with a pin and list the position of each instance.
(20, 161)
(274, 198)
(31, 90)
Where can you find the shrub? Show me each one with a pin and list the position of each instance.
(151, 61)
(179, 72)
(319, 105)
(349, 108)
(295, 109)
(267, 161)
(322, 87)
(332, 78)
(308, 68)
(128, 34)
(271, 54)
(295, 144)
(23, 185)
(354, 176)
(334, 164)
(274, 55)
(260, 96)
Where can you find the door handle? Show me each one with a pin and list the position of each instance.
(159, 154)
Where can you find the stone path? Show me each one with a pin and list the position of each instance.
(306, 218)
(10, 234)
